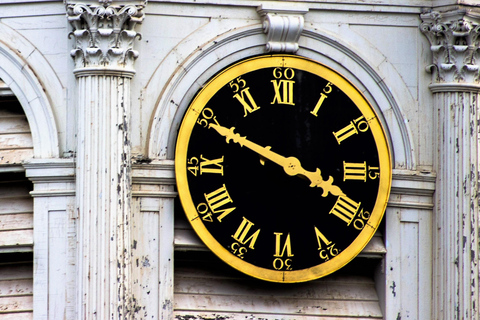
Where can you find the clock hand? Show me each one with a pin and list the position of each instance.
(291, 165)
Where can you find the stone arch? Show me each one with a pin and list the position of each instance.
(316, 44)
(30, 77)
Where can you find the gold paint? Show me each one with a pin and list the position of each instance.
(330, 251)
(242, 233)
(345, 209)
(216, 163)
(355, 171)
(323, 95)
(287, 246)
(193, 114)
(217, 199)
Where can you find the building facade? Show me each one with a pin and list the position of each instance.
(92, 95)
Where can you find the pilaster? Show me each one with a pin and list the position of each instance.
(54, 237)
(153, 235)
(454, 39)
(104, 66)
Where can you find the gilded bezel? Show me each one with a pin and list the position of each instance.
(190, 119)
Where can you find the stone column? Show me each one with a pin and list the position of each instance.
(104, 57)
(454, 39)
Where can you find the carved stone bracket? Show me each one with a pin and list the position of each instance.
(283, 27)
(104, 35)
(454, 40)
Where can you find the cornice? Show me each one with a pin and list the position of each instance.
(454, 42)
(408, 182)
(156, 173)
(104, 35)
(50, 170)
(412, 190)
(161, 172)
(51, 177)
(455, 87)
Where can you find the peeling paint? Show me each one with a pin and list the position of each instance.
(167, 304)
(203, 317)
(393, 286)
(145, 262)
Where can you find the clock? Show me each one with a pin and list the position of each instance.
(283, 168)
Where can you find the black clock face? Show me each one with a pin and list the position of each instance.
(283, 168)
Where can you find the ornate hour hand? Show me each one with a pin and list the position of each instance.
(291, 165)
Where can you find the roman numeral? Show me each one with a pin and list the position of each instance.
(211, 166)
(321, 239)
(354, 171)
(241, 235)
(249, 106)
(329, 251)
(345, 209)
(286, 247)
(217, 199)
(286, 95)
(323, 95)
(206, 165)
(359, 124)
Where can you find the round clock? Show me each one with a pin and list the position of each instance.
(283, 168)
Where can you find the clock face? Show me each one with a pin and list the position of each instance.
(283, 168)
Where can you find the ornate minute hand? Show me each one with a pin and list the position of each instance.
(291, 165)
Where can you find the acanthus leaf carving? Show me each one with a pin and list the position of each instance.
(104, 35)
(454, 42)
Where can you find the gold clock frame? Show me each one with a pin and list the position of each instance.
(385, 165)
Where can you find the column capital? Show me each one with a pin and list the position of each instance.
(104, 36)
(454, 42)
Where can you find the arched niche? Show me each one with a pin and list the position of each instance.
(26, 72)
(234, 45)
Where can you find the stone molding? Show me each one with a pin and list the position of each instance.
(454, 42)
(51, 177)
(31, 78)
(104, 36)
(157, 172)
(160, 173)
(412, 190)
(283, 27)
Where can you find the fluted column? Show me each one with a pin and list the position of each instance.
(104, 57)
(456, 89)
